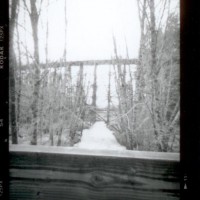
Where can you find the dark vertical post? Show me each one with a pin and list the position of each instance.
(4, 82)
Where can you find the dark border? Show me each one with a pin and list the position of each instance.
(4, 70)
(190, 98)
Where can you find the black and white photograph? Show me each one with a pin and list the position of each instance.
(94, 99)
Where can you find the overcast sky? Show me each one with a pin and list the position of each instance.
(91, 24)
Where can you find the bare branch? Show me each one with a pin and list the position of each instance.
(164, 7)
(139, 10)
(40, 7)
(29, 12)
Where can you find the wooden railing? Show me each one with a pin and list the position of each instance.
(59, 173)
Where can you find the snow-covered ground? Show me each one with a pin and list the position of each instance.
(99, 137)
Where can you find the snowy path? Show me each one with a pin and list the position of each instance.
(99, 137)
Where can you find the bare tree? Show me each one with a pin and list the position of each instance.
(154, 75)
(47, 34)
(78, 110)
(109, 97)
(34, 14)
(153, 72)
(94, 95)
(19, 77)
(124, 127)
(13, 63)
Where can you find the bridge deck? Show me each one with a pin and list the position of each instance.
(88, 63)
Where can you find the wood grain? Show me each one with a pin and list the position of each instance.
(58, 174)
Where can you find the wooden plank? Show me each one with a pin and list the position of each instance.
(74, 174)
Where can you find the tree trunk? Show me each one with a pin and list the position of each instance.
(157, 123)
(78, 108)
(19, 80)
(13, 63)
(140, 72)
(122, 97)
(47, 36)
(25, 40)
(94, 95)
(34, 16)
(109, 98)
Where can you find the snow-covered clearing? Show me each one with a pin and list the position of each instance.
(99, 137)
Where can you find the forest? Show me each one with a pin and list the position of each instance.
(51, 102)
